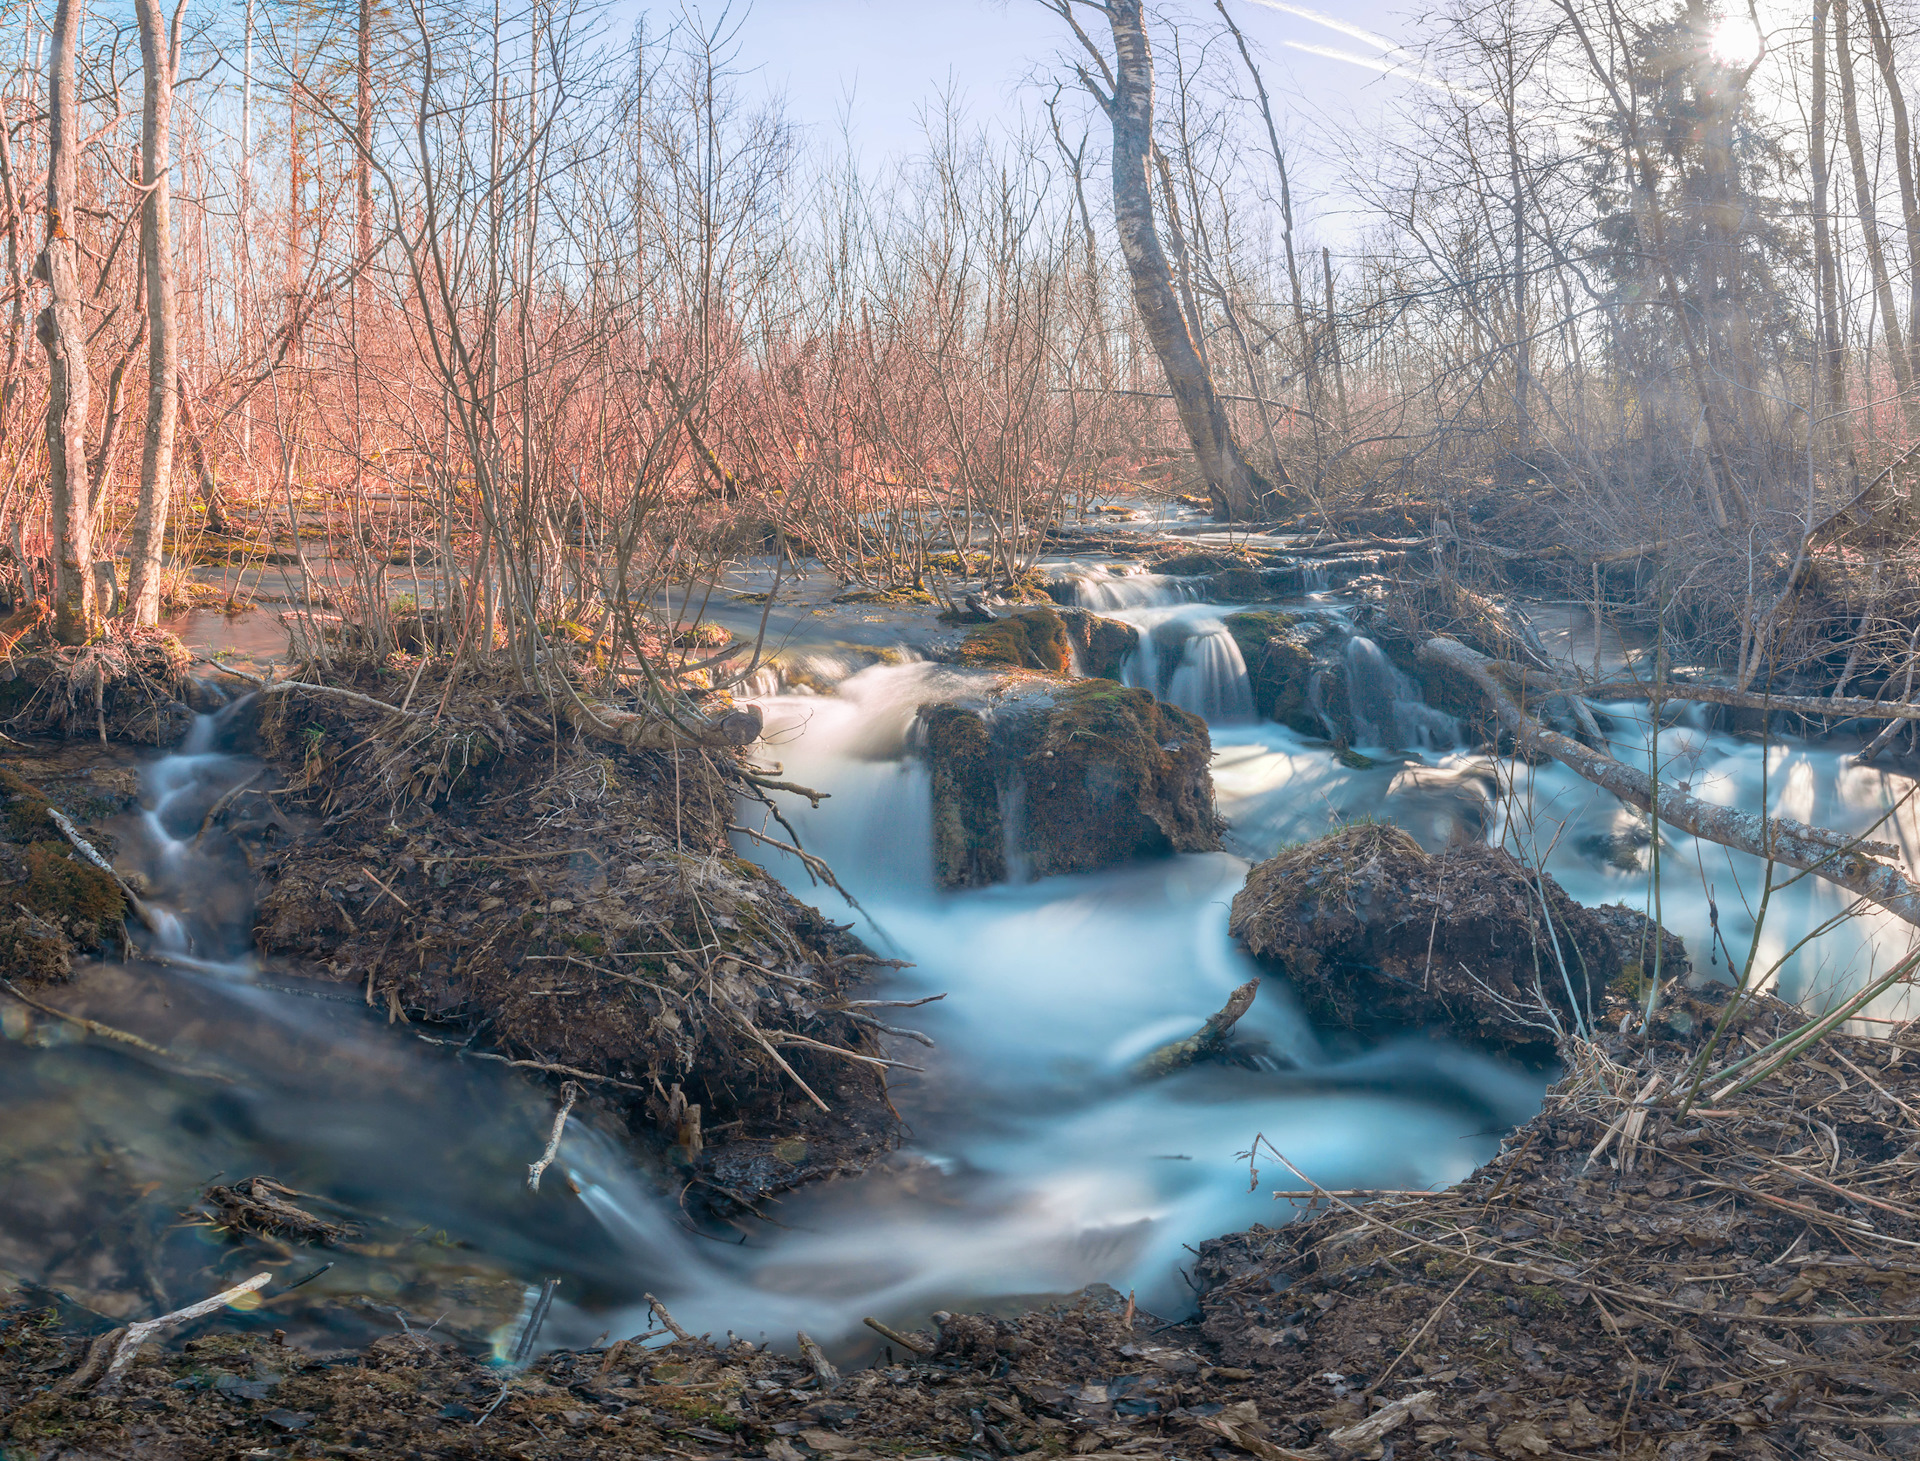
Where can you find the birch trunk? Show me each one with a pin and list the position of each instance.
(63, 333)
(148, 541)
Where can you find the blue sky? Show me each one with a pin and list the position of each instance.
(880, 60)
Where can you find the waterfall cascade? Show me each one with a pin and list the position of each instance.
(1387, 707)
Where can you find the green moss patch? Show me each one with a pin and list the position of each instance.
(1034, 640)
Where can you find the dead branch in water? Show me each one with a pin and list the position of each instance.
(1204, 1041)
(1844, 861)
(569, 1093)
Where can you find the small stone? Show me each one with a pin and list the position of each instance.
(289, 1420)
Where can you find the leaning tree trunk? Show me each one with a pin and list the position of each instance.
(1238, 491)
(62, 331)
(156, 256)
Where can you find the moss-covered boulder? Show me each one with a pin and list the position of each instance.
(1094, 773)
(53, 903)
(1279, 667)
(1375, 932)
(1118, 775)
(1051, 641)
(1101, 646)
(1034, 640)
(969, 833)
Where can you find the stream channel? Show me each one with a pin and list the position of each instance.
(1034, 1164)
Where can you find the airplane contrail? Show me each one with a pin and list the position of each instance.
(1390, 68)
(1344, 27)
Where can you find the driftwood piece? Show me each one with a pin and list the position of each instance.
(128, 1346)
(1203, 1041)
(1839, 859)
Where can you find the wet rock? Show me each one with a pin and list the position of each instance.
(969, 836)
(1092, 773)
(1375, 932)
(1279, 660)
(1101, 645)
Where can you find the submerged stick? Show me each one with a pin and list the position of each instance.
(1204, 1041)
(568, 1094)
(138, 1334)
(92, 1027)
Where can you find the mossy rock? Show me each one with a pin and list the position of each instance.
(969, 835)
(1375, 932)
(1102, 646)
(1118, 775)
(1103, 773)
(55, 903)
(1034, 640)
(1279, 666)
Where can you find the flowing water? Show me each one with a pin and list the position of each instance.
(1035, 1163)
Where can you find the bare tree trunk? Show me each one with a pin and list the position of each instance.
(163, 351)
(1881, 33)
(1869, 220)
(1238, 492)
(1831, 369)
(63, 332)
(363, 138)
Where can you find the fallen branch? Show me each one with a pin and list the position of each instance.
(1838, 859)
(1204, 1041)
(568, 1094)
(1845, 708)
(135, 1335)
(659, 1311)
(906, 1342)
(86, 849)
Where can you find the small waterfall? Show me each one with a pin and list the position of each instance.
(1387, 708)
(1193, 661)
(1102, 590)
(180, 793)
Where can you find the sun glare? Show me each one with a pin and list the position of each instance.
(1736, 41)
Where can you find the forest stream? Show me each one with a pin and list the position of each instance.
(1036, 1163)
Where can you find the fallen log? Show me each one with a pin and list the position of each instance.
(1841, 860)
(1845, 708)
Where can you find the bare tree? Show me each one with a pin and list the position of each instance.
(1123, 90)
(159, 54)
(63, 332)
